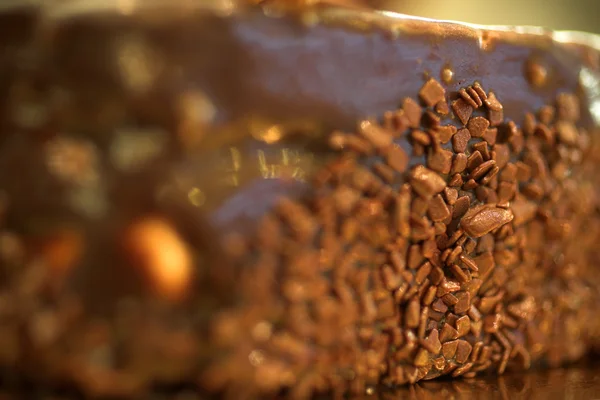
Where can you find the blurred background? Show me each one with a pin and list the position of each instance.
(581, 15)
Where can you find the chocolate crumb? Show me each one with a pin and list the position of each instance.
(463, 324)
(529, 124)
(480, 91)
(523, 171)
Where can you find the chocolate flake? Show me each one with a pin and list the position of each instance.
(449, 349)
(482, 148)
(397, 158)
(490, 136)
(432, 343)
(412, 111)
(567, 106)
(483, 219)
(448, 333)
(467, 98)
(412, 314)
(420, 137)
(426, 182)
(463, 351)
(477, 126)
(445, 133)
(451, 195)
(482, 169)
(462, 110)
(438, 210)
(474, 160)
(474, 95)
(495, 110)
(463, 304)
(460, 140)
(442, 107)
(432, 92)
(567, 132)
(461, 207)
(440, 160)
(459, 163)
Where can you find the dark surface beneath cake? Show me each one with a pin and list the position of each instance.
(580, 381)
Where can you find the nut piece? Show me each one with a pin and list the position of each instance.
(63, 250)
(162, 254)
(426, 182)
(481, 220)
(536, 73)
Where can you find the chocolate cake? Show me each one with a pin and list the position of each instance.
(254, 200)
